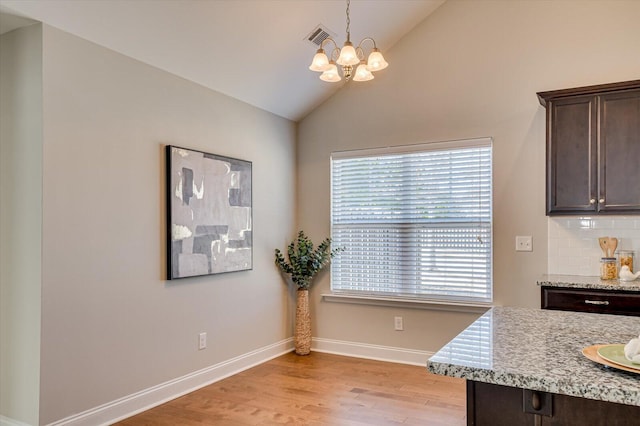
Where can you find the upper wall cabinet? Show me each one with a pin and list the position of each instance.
(593, 149)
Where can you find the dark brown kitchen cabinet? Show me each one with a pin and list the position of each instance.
(617, 302)
(593, 149)
(496, 405)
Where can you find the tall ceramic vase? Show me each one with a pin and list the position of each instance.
(302, 332)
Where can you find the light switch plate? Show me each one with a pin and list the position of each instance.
(524, 243)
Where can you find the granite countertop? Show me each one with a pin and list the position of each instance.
(542, 350)
(576, 281)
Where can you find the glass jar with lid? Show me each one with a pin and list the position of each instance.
(625, 257)
(608, 268)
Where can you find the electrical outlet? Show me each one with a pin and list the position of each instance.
(398, 323)
(524, 243)
(202, 341)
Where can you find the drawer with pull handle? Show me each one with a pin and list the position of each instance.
(588, 300)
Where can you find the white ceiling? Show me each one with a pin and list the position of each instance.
(252, 50)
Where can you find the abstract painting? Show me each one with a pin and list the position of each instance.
(208, 213)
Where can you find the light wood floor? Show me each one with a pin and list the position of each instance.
(318, 389)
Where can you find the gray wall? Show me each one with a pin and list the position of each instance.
(20, 221)
(471, 69)
(111, 323)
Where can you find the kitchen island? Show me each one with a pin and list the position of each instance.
(525, 366)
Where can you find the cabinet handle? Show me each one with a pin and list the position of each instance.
(601, 200)
(596, 302)
(592, 201)
(536, 404)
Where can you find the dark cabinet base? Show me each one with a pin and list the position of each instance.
(495, 405)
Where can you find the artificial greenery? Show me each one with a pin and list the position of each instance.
(304, 261)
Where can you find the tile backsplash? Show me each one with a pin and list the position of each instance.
(573, 242)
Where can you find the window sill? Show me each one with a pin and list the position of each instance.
(437, 305)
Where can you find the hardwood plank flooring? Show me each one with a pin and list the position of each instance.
(318, 389)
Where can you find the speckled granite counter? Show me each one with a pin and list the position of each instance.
(576, 281)
(541, 350)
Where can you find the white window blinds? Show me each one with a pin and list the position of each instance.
(415, 221)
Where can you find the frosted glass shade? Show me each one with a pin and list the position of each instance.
(330, 74)
(320, 61)
(362, 73)
(376, 61)
(348, 55)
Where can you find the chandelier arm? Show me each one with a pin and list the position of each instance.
(335, 54)
(367, 39)
(326, 40)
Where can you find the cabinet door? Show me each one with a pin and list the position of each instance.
(619, 148)
(571, 155)
(497, 405)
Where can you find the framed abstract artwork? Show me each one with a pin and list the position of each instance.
(209, 213)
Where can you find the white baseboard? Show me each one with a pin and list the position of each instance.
(141, 401)
(156, 395)
(376, 352)
(6, 421)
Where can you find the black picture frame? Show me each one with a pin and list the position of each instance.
(209, 213)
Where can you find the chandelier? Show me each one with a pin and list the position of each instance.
(347, 57)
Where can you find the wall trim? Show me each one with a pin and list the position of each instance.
(375, 352)
(148, 398)
(138, 402)
(7, 421)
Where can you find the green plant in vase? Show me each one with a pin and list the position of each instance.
(303, 262)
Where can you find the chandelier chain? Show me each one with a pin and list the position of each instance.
(348, 21)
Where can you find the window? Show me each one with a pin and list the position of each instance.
(415, 221)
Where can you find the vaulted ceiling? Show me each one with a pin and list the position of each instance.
(253, 50)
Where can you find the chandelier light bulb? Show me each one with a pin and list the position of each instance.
(376, 61)
(331, 73)
(348, 55)
(320, 61)
(362, 73)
